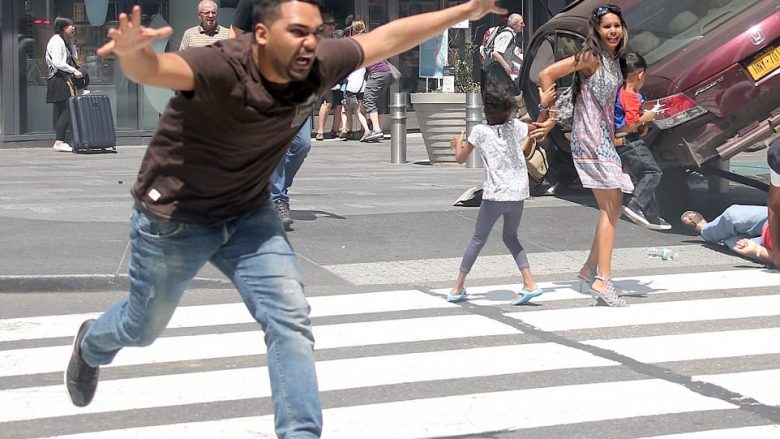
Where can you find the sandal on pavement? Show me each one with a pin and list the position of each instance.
(691, 219)
(454, 298)
(610, 296)
(586, 281)
(524, 296)
(319, 137)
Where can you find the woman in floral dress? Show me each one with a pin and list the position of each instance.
(596, 80)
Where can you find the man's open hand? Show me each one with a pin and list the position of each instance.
(480, 8)
(131, 37)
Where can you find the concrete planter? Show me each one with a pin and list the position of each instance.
(442, 116)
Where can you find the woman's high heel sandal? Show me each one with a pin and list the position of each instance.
(586, 281)
(610, 296)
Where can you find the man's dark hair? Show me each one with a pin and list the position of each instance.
(61, 23)
(498, 99)
(267, 11)
(632, 62)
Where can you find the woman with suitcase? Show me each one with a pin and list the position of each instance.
(59, 87)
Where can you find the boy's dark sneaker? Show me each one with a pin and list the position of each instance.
(658, 223)
(81, 379)
(636, 216)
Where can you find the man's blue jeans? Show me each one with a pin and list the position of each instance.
(252, 250)
(737, 222)
(282, 178)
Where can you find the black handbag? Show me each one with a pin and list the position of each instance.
(80, 83)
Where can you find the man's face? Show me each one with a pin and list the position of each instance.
(208, 15)
(291, 40)
(519, 25)
(329, 27)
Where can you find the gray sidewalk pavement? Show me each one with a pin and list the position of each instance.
(64, 217)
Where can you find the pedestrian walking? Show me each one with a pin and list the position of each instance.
(596, 80)
(59, 83)
(352, 104)
(201, 193)
(333, 98)
(378, 79)
(631, 126)
(208, 31)
(505, 188)
(507, 49)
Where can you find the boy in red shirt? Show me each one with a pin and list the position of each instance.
(638, 161)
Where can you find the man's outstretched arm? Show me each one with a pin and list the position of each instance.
(405, 33)
(139, 63)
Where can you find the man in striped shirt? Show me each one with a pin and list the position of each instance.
(208, 31)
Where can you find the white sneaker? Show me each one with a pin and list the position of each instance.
(63, 147)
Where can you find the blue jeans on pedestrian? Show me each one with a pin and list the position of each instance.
(252, 250)
(737, 222)
(282, 178)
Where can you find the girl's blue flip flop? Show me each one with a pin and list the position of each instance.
(524, 296)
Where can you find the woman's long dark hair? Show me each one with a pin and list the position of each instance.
(62, 23)
(593, 42)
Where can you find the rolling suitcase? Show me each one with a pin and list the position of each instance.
(92, 123)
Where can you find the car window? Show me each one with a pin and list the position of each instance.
(661, 27)
(543, 57)
(566, 45)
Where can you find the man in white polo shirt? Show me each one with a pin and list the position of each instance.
(208, 31)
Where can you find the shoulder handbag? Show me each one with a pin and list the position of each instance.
(564, 105)
(535, 159)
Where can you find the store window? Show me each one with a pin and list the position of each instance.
(131, 109)
(409, 61)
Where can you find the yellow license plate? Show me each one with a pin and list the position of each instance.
(765, 64)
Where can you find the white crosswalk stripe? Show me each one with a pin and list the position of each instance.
(702, 345)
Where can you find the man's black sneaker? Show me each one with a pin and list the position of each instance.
(81, 379)
(283, 209)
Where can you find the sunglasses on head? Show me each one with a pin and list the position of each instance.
(603, 10)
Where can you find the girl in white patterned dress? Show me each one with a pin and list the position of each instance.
(506, 182)
(597, 77)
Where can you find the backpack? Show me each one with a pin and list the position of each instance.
(489, 41)
(486, 37)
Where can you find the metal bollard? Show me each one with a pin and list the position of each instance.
(474, 116)
(398, 129)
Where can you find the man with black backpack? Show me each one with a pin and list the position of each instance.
(504, 48)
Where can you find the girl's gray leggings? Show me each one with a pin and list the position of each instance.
(489, 212)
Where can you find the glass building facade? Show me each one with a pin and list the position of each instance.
(26, 26)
